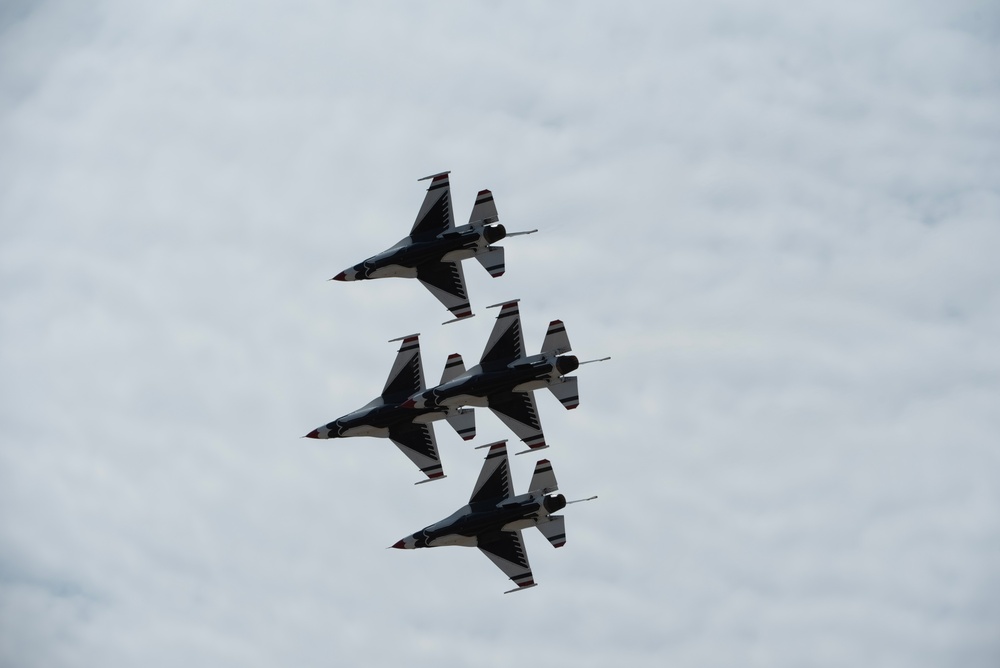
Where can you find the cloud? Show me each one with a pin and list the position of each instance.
(778, 221)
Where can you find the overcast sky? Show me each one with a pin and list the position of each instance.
(781, 220)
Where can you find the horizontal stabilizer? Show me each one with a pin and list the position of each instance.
(554, 530)
(485, 210)
(492, 260)
(556, 339)
(453, 368)
(464, 422)
(544, 479)
(566, 392)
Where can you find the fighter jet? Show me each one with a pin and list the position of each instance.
(494, 517)
(409, 428)
(505, 379)
(434, 250)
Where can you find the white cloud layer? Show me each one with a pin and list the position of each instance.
(780, 221)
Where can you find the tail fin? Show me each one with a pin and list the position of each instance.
(492, 260)
(463, 422)
(485, 210)
(566, 392)
(556, 339)
(544, 479)
(554, 530)
(453, 368)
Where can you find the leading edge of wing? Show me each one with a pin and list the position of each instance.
(434, 215)
(493, 483)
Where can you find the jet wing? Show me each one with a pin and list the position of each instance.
(505, 344)
(406, 377)
(506, 550)
(434, 216)
(493, 484)
(518, 412)
(446, 281)
(417, 442)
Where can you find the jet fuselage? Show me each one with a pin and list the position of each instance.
(473, 387)
(374, 420)
(403, 259)
(466, 525)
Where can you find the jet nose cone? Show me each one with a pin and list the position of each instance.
(342, 276)
(409, 403)
(313, 434)
(399, 544)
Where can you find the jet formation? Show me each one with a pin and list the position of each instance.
(504, 381)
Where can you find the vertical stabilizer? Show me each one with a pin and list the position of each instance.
(554, 530)
(485, 210)
(453, 368)
(463, 422)
(544, 479)
(556, 340)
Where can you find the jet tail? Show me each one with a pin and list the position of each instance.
(556, 339)
(565, 390)
(463, 422)
(492, 260)
(544, 479)
(453, 368)
(485, 210)
(554, 530)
